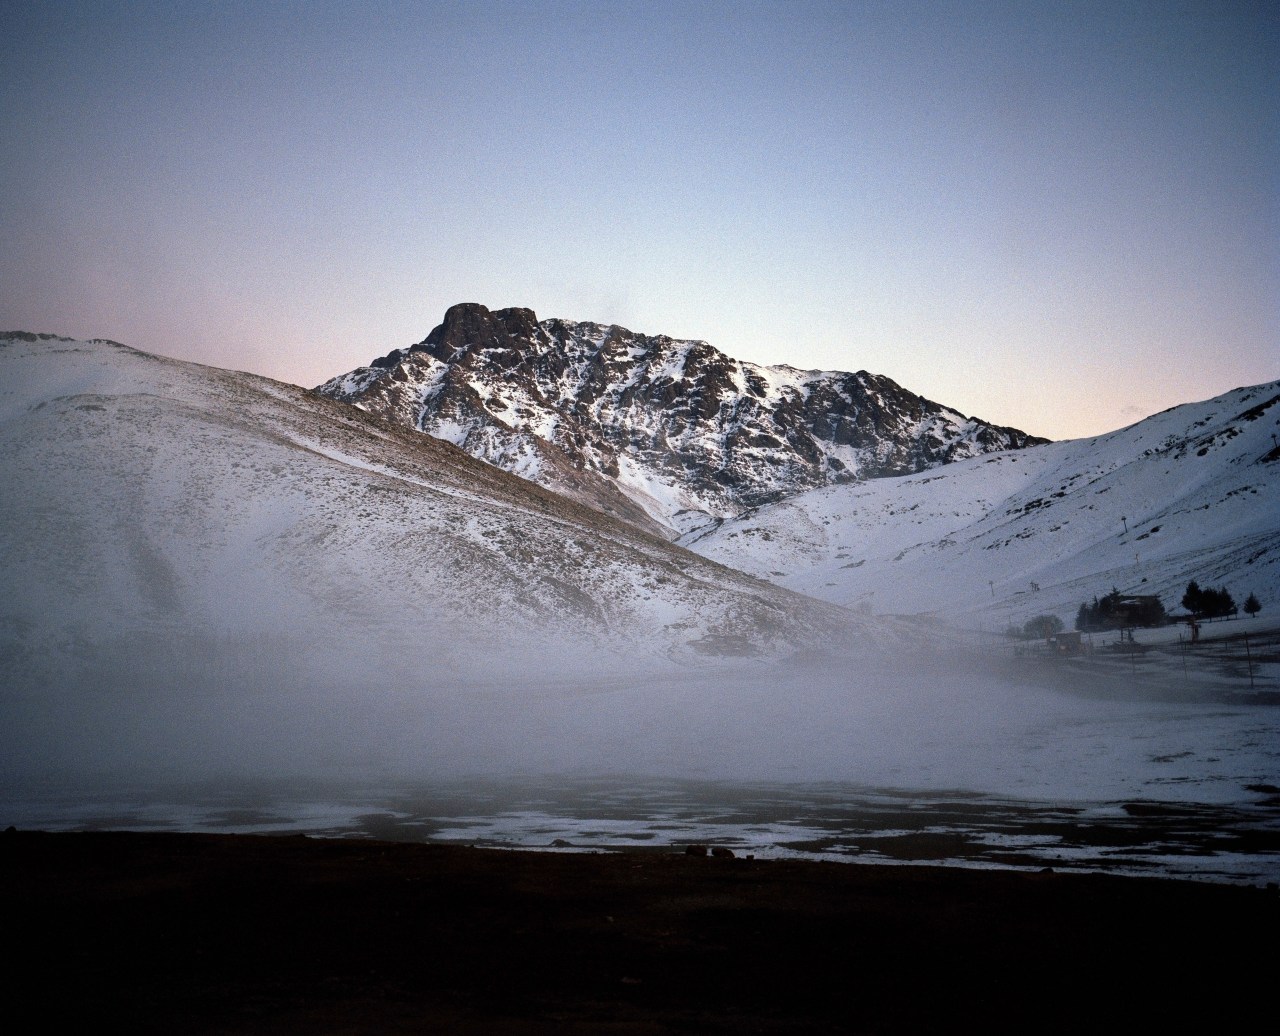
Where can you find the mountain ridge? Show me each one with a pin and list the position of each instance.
(222, 462)
(209, 572)
(1189, 493)
(683, 432)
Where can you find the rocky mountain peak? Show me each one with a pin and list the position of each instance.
(469, 326)
(682, 431)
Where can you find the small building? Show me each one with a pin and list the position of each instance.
(1067, 642)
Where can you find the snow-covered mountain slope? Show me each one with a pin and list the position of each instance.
(208, 574)
(1191, 493)
(656, 430)
(148, 494)
(195, 561)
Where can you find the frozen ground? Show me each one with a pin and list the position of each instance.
(965, 773)
(1237, 843)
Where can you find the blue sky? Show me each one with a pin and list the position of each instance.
(1058, 216)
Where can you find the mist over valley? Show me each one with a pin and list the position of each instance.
(213, 578)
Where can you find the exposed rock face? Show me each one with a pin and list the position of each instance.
(655, 430)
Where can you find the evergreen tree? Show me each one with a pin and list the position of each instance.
(1151, 613)
(1218, 603)
(1192, 600)
(1208, 604)
(1252, 605)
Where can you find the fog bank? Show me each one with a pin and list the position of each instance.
(274, 710)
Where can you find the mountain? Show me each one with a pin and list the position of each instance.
(663, 432)
(245, 556)
(149, 482)
(210, 575)
(1191, 493)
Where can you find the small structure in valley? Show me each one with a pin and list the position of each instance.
(1066, 642)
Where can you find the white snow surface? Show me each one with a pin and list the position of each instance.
(1191, 493)
(172, 529)
(673, 425)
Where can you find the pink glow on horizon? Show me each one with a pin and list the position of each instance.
(1062, 219)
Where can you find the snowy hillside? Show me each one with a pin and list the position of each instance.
(170, 528)
(209, 574)
(1191, 493)
(148, 483)
(660, 431)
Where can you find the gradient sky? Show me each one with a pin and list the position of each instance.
(1058, 216)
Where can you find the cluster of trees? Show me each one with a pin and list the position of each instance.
(1124, 611)
(1118, 611)
(1215, 604)
(1208, 603)
(1042, 627)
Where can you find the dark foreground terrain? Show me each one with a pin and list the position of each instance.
(172, 933)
